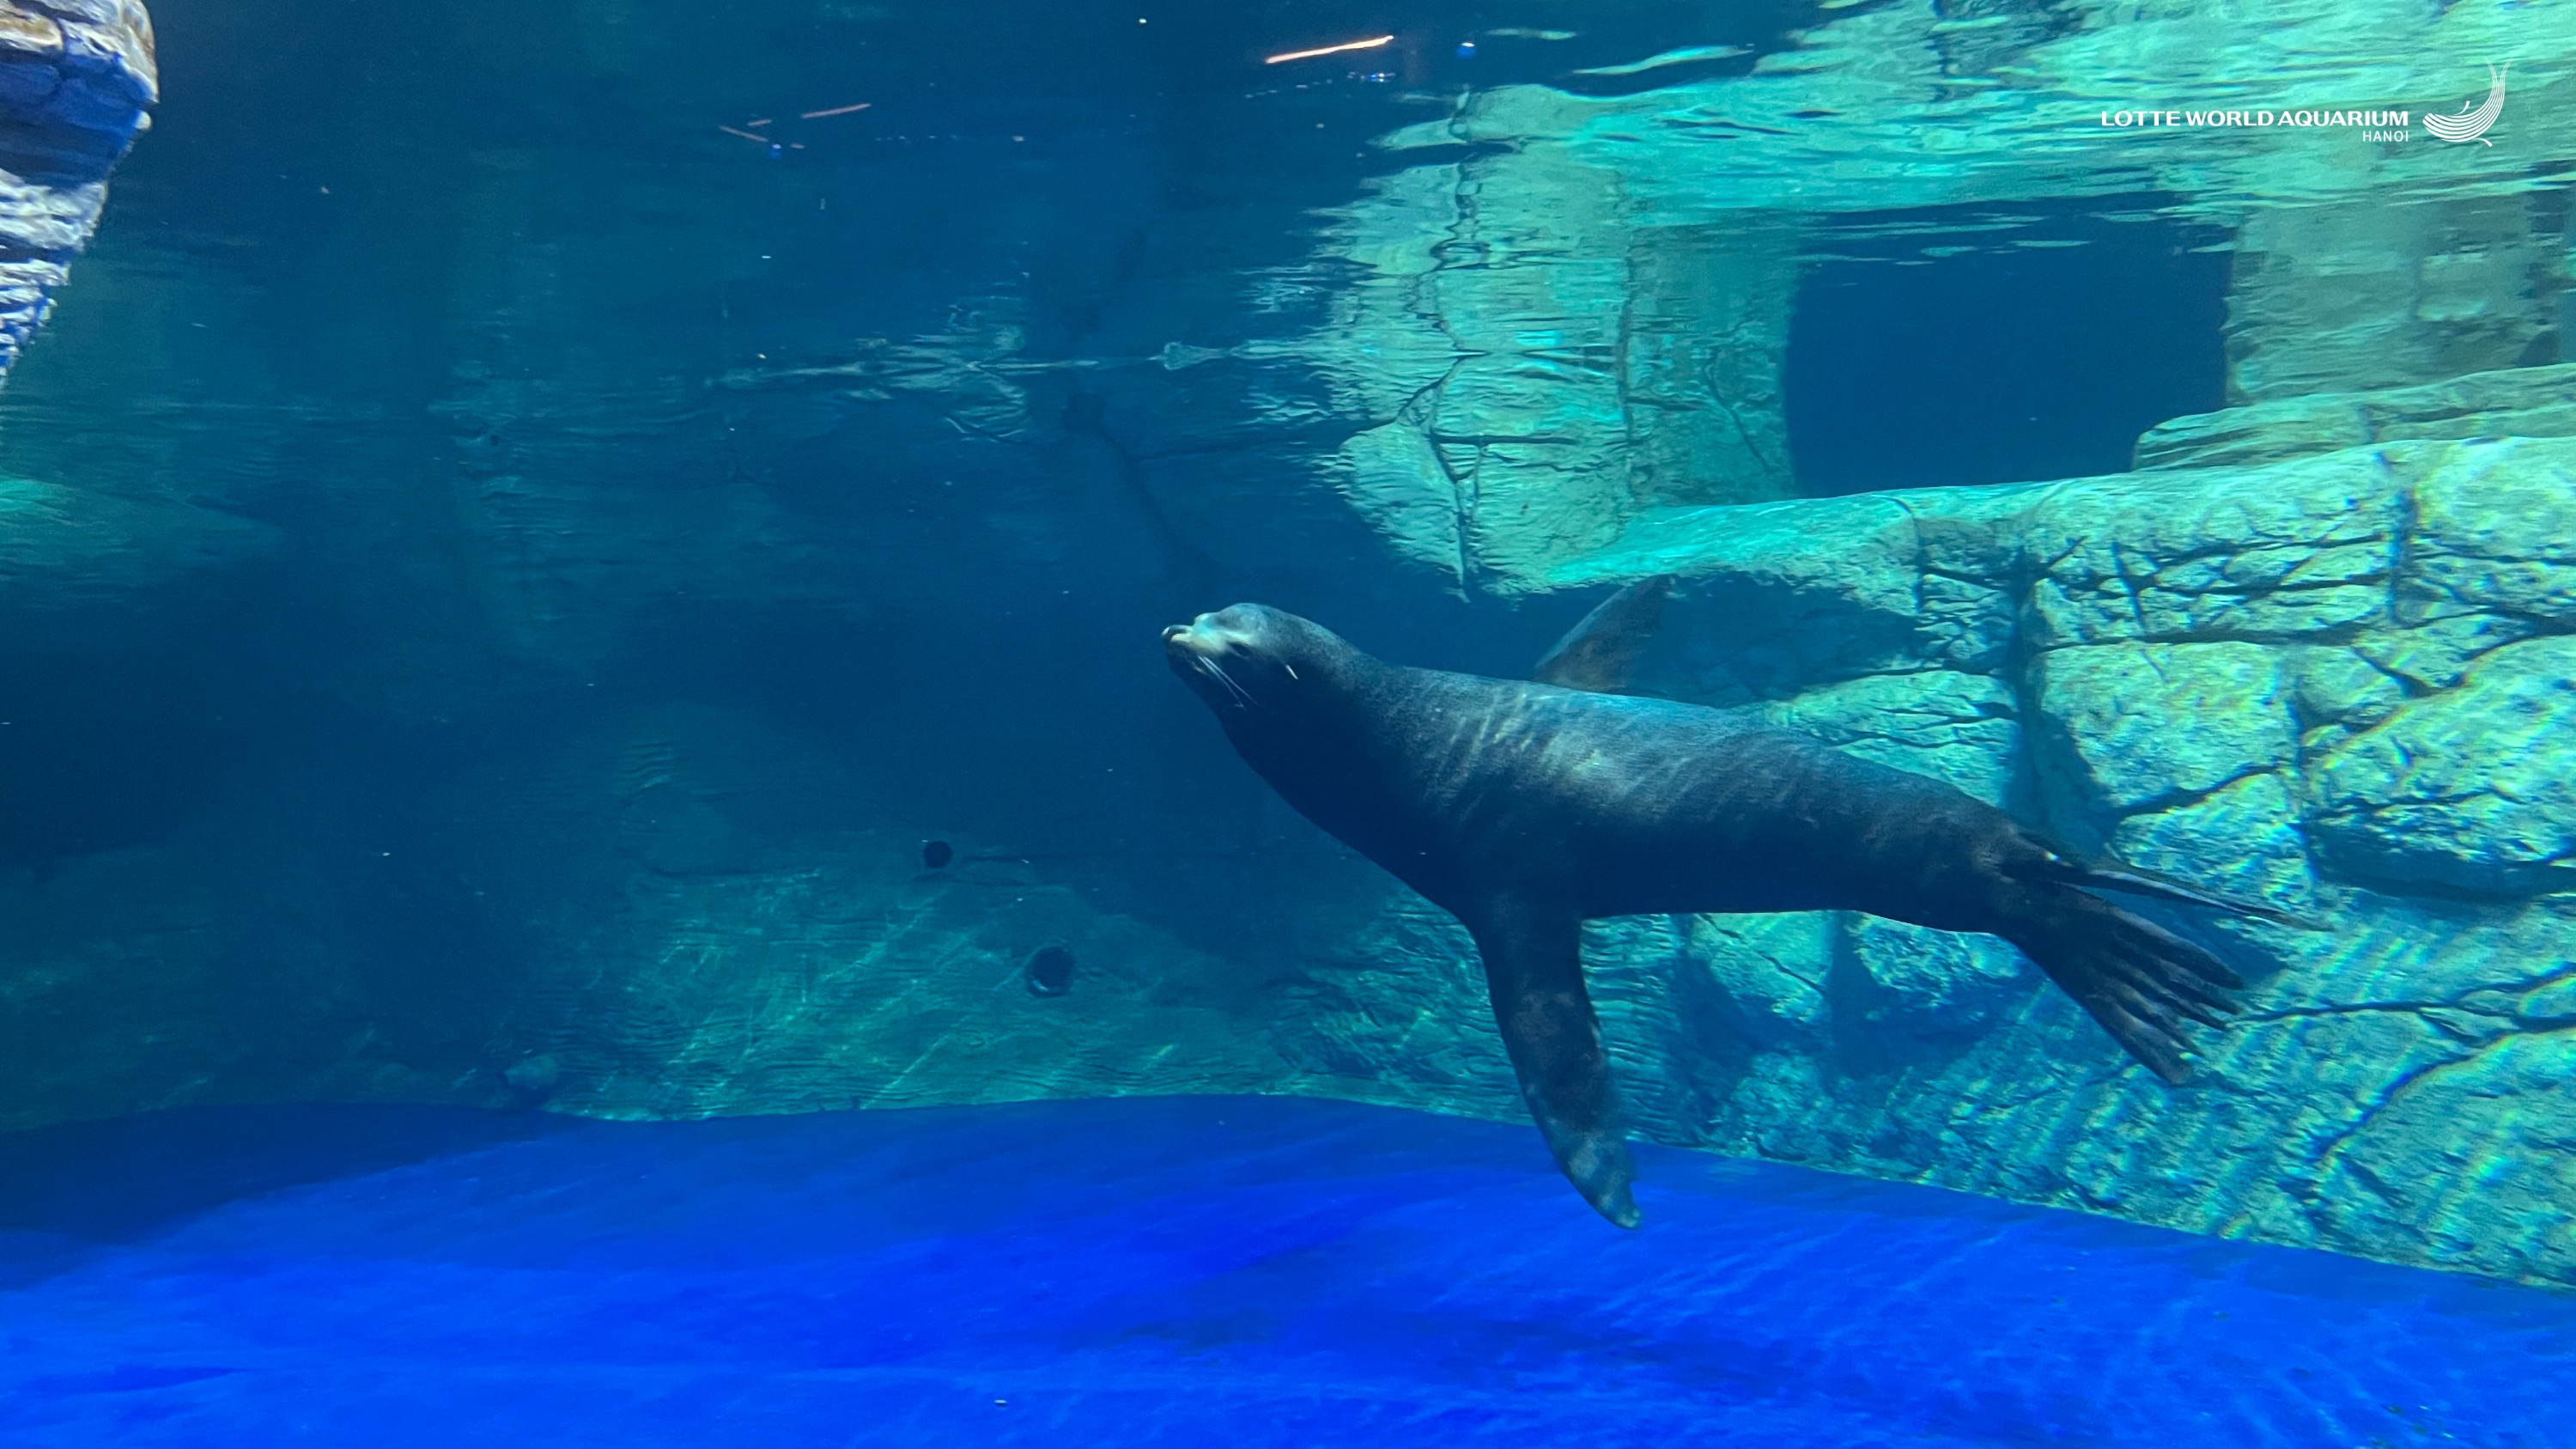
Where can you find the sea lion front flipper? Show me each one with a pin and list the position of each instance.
(1534, 970)
(1600, 653)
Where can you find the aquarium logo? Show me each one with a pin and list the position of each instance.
(2373, 125)
(2467, 124)
(2471, 125)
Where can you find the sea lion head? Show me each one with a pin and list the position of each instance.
(1251, 657)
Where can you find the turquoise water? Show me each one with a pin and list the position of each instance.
(597, 845)
(1255, 1271)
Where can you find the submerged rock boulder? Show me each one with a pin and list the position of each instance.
(74, 563)
(2462, 788)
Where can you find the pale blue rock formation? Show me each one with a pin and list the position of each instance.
(2527, 402)
(1511, 339)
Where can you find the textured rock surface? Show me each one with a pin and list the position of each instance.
(1534, 369)
(516, 658)
(2342, 296)
(1501, 336)
(2525, 402)
(77, 78)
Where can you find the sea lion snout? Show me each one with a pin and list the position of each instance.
(1236, 657)
(1197, 651)
(1217, 635)
(1194, 640)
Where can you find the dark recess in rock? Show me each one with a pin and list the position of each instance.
(2039, 352)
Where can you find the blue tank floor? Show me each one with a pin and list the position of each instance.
(1208, 1272)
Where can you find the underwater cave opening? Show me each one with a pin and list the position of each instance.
(2000, 345)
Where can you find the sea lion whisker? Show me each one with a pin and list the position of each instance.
(1241, 695)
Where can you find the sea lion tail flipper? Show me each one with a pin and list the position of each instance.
(1600, 653)
(1534, 970)
(2112, 875)
(2139, 980)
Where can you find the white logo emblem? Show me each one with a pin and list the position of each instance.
(2471, 125)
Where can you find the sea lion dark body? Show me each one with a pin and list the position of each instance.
(1525, 809)
(1608, 806)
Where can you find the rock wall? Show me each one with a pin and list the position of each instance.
(1573, 308)
(77, 78)
(2362, 295)
(515, 581)
(2316, 650)
(1534, 369)
(2526, 402)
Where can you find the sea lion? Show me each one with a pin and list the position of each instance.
(1526, 808)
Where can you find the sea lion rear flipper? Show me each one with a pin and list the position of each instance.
(1534, 970)
(1600, 653)
(2139, 980)
(2112, 875)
